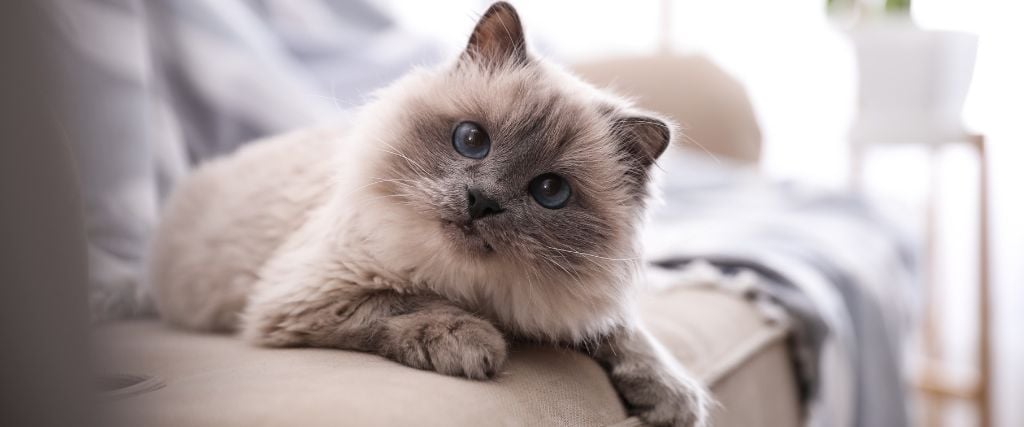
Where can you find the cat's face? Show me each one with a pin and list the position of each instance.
(515, 161)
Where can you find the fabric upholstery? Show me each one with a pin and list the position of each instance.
(210, 380)
(711, 107)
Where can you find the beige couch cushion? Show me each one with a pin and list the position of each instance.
(711, 107)
(209, 380)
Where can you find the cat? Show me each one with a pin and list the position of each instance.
(495, 198)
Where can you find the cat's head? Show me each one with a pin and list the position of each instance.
(513, 161)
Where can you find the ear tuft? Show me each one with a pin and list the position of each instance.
(497, 38)
(643, 139)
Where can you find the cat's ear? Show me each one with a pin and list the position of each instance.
(497, 38)
(642, 139)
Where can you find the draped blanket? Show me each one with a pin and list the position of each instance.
(827, 263)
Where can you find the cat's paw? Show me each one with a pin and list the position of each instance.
(661, 397)
(674, 403)
(457, 344)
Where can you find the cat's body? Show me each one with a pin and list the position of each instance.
(406, 236)
(260, 204)
(234, 215)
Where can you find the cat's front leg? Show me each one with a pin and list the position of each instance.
(650, 381)
(421, 331)
(439, 336)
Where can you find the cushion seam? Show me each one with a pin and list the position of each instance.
(739, 355)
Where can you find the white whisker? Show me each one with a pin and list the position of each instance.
(591, 255)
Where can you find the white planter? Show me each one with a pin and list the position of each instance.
(912, 82)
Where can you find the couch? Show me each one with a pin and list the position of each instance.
(160, 376)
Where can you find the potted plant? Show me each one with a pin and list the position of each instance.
(912, 81)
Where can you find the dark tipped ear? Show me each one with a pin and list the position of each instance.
(497, 38)
(642, 139)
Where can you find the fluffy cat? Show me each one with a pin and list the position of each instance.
(494, 198)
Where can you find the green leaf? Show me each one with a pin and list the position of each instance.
(897, 6)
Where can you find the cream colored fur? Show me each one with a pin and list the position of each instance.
(241, 231)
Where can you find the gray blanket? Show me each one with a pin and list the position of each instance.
(837, 268)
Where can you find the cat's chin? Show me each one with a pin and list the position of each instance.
(465, 237)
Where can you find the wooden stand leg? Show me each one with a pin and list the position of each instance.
(983, 396)
(937, 390)
(933, 402)
(933, 384)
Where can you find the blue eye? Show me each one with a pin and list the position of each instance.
(470, 140)
(550, 191)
